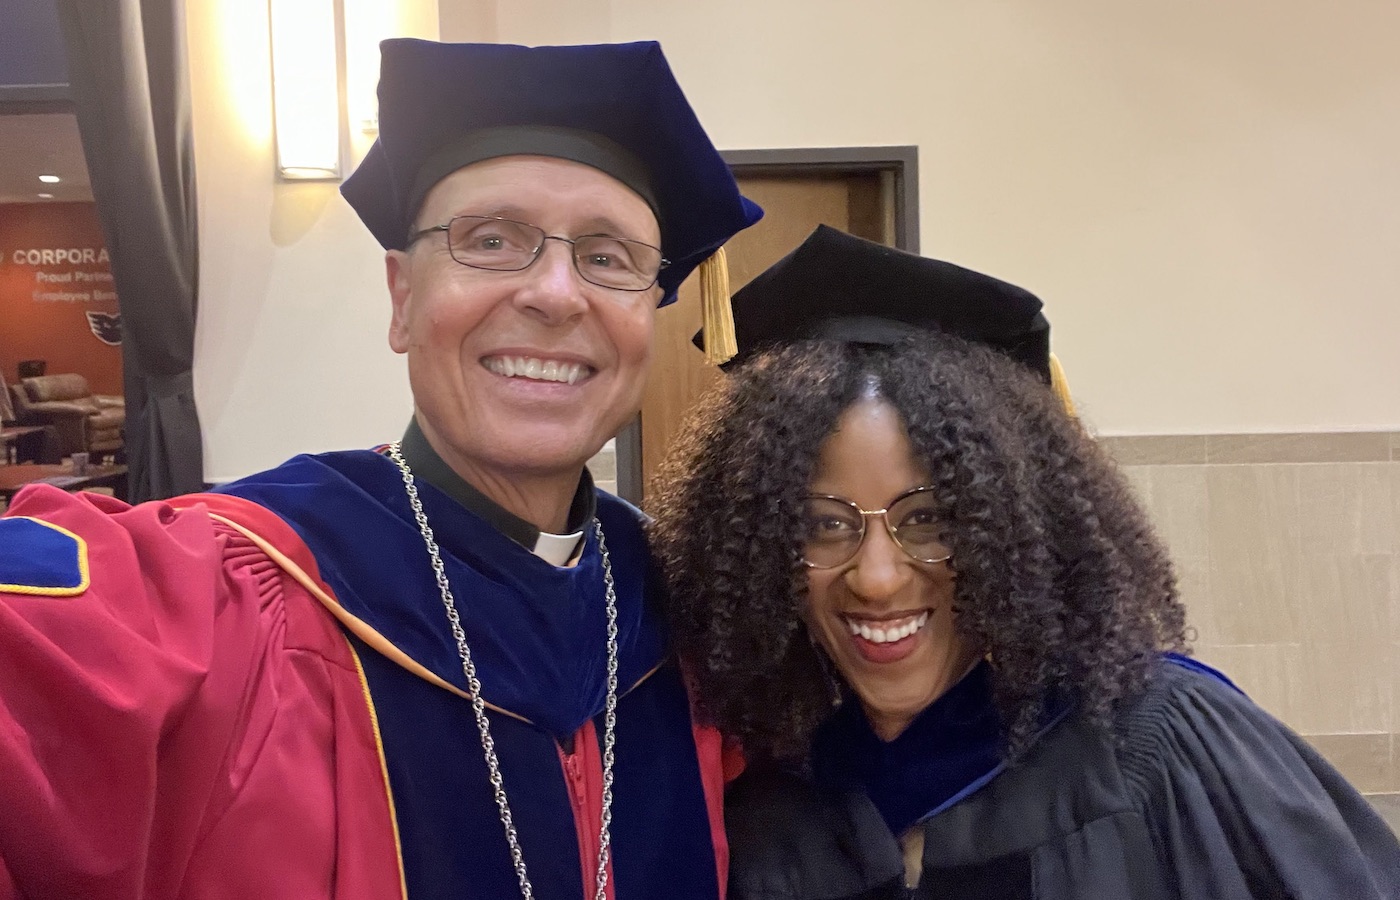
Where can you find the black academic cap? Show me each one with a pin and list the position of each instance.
(615, 107)
(836, 285)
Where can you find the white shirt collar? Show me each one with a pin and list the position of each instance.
(557, 549)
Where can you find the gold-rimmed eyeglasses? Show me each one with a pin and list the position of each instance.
(504, 245)
(833, 528)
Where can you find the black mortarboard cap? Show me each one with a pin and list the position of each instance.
(837, 285)
(616, 107)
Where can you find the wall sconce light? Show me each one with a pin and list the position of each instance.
(308, 87)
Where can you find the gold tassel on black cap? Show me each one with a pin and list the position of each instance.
(717, 320)
(1060, 385)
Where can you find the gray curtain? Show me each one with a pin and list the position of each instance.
(127, 72)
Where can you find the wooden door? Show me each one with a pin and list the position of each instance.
(862, 203)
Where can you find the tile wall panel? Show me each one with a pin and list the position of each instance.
(1253, 532)
(1287, 550)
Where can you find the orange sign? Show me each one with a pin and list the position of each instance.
(57, 302)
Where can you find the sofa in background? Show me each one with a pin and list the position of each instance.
(81, 420)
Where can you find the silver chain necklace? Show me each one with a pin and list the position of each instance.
(488, 746)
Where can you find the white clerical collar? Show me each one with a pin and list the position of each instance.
(557, 549)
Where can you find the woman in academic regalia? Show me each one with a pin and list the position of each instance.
(909, 582)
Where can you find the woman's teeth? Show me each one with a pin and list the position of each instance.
(889, 632)
(535, 369)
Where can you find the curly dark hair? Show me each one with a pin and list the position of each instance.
(1060, 577)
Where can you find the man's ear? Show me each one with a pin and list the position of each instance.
(397, 267)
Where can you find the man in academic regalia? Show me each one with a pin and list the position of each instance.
(430, 669)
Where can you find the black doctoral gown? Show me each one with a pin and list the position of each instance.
(1195, 793)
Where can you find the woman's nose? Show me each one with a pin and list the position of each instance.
(880, 568)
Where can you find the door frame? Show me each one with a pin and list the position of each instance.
(901, 161)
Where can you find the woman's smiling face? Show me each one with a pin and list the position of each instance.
(884, 618)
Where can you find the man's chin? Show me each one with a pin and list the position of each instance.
(520, 447)
(542, 456)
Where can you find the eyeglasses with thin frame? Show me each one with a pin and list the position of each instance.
(505, 245)
(834, 528)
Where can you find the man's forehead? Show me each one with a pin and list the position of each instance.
(519, 186)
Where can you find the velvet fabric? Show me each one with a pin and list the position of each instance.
(950, 750)
(37, 557)
(433, 96)
(452, 838)
(841, 287)
(528, 623)
(537, 637)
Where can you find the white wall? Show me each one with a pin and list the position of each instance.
(290, 350)
(1205, 193)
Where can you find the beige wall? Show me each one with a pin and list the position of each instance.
(1205, 193)
(290, 351)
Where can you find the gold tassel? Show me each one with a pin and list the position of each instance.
(718, 315)
(1060, 385)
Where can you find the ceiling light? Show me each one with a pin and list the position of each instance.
(50, 179)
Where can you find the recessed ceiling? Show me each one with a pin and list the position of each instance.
(34, 145)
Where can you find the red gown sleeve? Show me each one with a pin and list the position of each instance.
(192, 723)
(119, 705)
